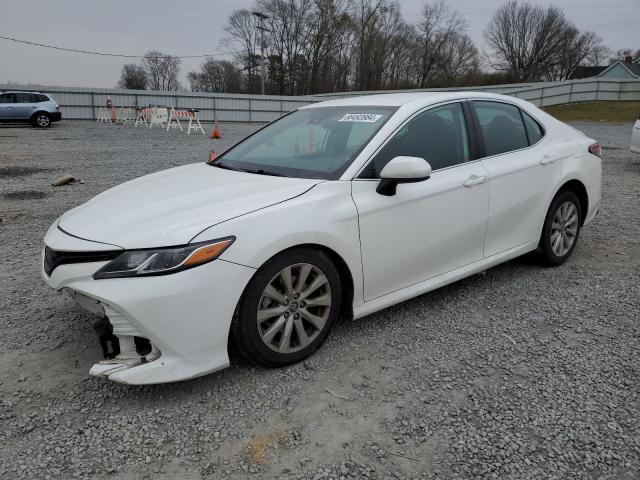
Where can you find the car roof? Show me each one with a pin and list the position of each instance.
(21, 91)
(415, 99)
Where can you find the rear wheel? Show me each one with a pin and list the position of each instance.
(288, 308)
(41, 120)
(561, 229)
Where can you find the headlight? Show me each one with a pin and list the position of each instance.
(162, 261)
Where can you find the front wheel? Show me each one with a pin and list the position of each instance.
(288, 308)
(561, 229)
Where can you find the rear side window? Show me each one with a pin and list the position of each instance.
(6, 98)
(37, 98)
(501, 126)
(534, 130)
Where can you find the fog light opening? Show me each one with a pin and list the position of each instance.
(143, 346)
(108, 341)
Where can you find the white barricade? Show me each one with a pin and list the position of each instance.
(125, 115)
(192, 115)
(141, 116)
(104, 115)
(159, 116)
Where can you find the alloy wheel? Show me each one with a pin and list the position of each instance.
(564, 229)
(294, 308)
(43, 120)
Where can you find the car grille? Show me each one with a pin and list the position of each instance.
(54, 258)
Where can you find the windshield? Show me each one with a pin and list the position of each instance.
(309, 143)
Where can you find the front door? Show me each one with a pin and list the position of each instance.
(7, 106)
(430, 227)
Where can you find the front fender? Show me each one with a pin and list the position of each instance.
(325, 215)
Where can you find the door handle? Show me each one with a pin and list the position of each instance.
(548, 160)
(474, 180)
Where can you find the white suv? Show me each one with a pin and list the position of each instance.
(36, 108)
(635, 137)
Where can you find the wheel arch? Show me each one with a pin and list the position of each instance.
(577, 187)
(35, 114)
(346, 277)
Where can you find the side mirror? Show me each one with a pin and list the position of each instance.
(402, 170)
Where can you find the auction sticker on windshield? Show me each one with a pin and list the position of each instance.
(360, 117)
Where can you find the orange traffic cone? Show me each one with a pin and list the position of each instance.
(215, 133)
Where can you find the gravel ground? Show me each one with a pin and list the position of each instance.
(521, 372)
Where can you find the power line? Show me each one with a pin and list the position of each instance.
(105, 54)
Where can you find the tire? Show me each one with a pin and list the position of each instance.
(41, 120)
(561, 229)
(278, 325)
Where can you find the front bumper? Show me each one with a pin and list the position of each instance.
(186, 316)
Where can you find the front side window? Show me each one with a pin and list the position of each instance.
(316, 142)
(501, 126)
(439, 135)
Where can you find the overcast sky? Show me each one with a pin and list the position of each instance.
(195, 27)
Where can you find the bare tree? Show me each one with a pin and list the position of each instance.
(133, 77)
(627, 53)
(216, 76)
(162, 70)
(460, 59)
(535, 43)
(241, 31)
(366, 18)
(439, 28)
(329, 27)
(525, 38)
(288, 24)
(598, 56)
(337, 45)
(577, 48)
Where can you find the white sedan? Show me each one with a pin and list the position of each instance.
(340, 208)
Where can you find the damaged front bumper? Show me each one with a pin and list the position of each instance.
(158, 329)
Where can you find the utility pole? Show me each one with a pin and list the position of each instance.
(262, 17)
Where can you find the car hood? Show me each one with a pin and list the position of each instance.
(172, 206)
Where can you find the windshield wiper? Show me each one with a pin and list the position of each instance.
(259, 171)
(227, 167)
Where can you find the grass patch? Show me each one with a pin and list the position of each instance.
(622, 112)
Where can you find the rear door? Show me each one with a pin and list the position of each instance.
(523, 168)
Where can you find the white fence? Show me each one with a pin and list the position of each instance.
(84, 103)
(541, 94)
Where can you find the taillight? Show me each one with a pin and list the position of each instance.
(57, 107)
(594, 149)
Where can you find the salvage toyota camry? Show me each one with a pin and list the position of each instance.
(339, 208)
